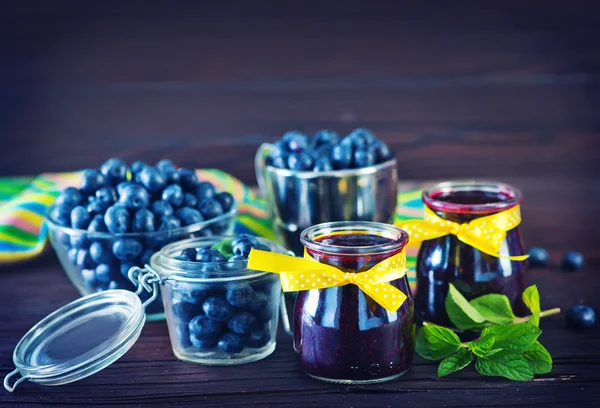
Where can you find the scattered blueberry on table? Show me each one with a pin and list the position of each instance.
(572, 261)
(538, 257)
(326, 151)
(121, 199)
(580, 317)
(225, 316)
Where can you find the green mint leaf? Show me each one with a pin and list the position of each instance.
(482, 346)
(494, 307)
(505, 363)
(436, 342)
(461, 313)
(224, 247)
(531, 298)
(517, 337)
(455, 362)
(538, 358)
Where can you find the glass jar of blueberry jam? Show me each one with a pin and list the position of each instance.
(340, 333)
(218, 311)
(447, 259)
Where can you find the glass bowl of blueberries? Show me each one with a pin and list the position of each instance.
(218, 311)
(120, 215)
(326, 177)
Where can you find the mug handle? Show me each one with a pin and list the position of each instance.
(259, 166)
(285, 319)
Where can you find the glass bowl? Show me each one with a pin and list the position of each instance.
(97, 261)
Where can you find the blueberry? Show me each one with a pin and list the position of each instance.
(280, 162)
(61, 214)
(72, 255)
(70, 197)
(217, 308)
(203, 343)
(189, 216)
(363, 158)
(341, 156)
(323, 164)
(244, 237)
(186, 310)
(188, 179)
(161, 209)
(91, 181)
(299, 161)
(126, 249)
(209, 255)
(138, 166)
(152, 179)
(259, 338)
(580, 317)
(97, 224)
(242, 248)
(210, 208)
(168, 169)
(117, 219)
(84, 260)
(231, 343)
(538, 257)
(189, 200)
(96, 207)
(89, 277)
(107, 196)
(146, 255)
(182, 334)
(240, 295)
(204, 190)
(572, 261)
(196, 296)
(114, 170)
(242, 323)
(296, 141)
(226, 200)
(168, 223)
(382, 152)
(362, 138)
(133, 197)
(202, 326)
(100, 254)
(80, 218)
(324, 138)
(261, 307)
(118, 285)
(189, 253)
(79, 241)
(103, 273)
(143, 221)
(125, 267)
(173, 194)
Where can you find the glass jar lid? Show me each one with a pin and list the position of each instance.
(78, 339)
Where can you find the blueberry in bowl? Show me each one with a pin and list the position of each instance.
(218, 311)
(120, 215)
(324, 178)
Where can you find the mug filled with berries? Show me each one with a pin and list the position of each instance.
(219, 312)
(307, 181)
(120, 215)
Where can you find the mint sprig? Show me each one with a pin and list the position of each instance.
(224, 247)
(507, 347)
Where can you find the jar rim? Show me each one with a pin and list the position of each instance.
(399, 237)
(431, 200)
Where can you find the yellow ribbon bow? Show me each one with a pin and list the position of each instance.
(485, 234)
(306, 274)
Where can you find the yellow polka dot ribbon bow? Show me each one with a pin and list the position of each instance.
(485, 234)
(306, 274)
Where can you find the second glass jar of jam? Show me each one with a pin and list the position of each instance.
(340, 333)
(447, 259)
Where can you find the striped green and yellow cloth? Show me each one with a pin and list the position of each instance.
(25, 200)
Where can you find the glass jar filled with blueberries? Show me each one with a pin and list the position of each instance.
(120, 215)
(218, 311)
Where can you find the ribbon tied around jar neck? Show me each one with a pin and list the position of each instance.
(306, 273)
(485, 233)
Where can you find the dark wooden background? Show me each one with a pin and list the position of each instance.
(497, 89)
(486, 88)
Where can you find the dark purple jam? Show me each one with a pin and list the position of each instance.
(446, 259)
(342, 334)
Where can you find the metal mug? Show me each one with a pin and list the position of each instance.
(299, 199)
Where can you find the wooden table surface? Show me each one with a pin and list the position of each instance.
(559, 215)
